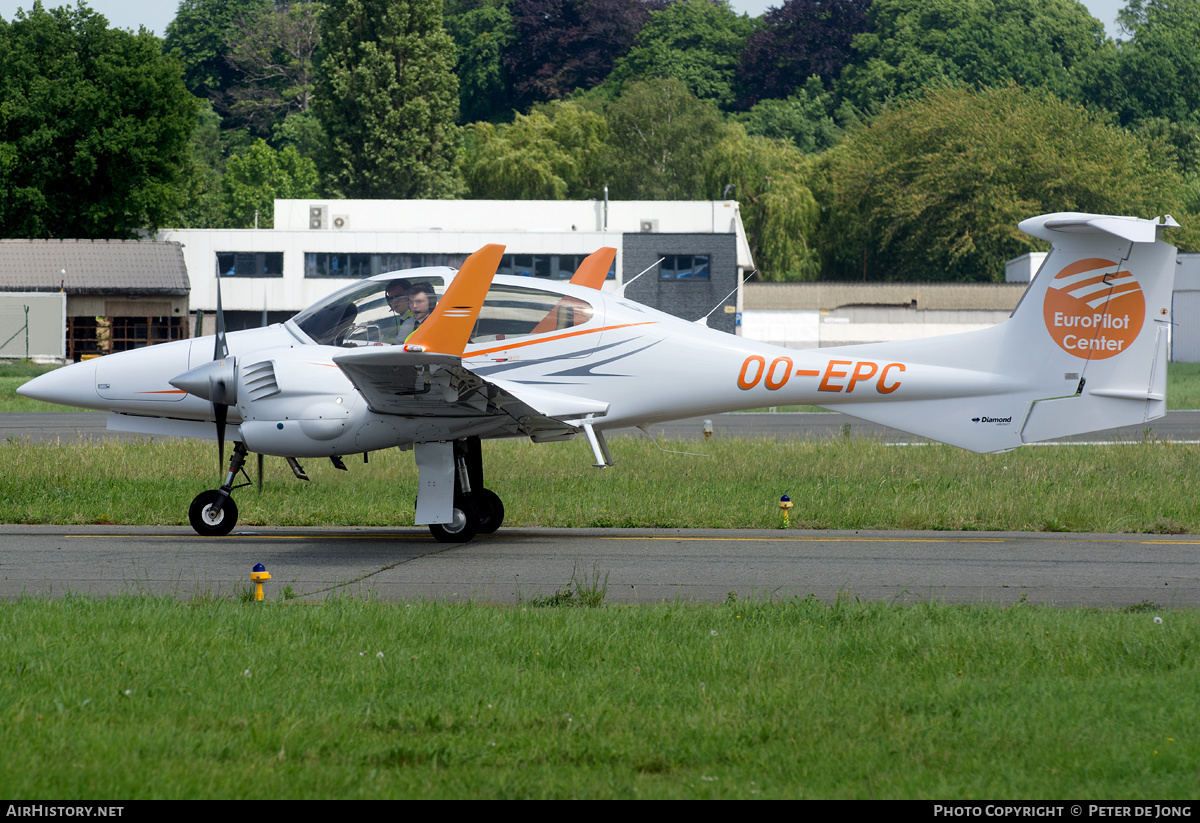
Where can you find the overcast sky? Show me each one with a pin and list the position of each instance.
(156, 14)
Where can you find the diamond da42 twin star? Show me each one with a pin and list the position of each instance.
(500, 356)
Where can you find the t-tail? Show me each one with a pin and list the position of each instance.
(1085, 349)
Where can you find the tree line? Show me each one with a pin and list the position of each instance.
(864, 139)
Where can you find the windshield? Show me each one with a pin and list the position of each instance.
(373, 312)
(389, 310)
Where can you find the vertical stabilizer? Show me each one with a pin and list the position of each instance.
(1085, 349)
(1108, 315)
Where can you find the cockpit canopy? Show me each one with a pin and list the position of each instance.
(361, 314)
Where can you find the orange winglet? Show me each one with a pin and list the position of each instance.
(592, 271)
(449, 325)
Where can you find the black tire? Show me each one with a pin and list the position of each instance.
(202, 521)
(491, 510)
(466, 527)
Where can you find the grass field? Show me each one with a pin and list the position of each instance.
(142, 697)
(834, 484)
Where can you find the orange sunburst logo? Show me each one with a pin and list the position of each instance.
(1092, 310)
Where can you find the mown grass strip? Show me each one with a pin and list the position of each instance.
(143, 697)
(835, 484)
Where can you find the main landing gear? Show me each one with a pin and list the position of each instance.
(472, 510)
(477, 510)
(213, 513)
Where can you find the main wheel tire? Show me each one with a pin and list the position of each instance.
(491, 510)
(463, 526)
(209, 523)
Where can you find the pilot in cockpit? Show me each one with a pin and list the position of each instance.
(398, 300)
(421, 301)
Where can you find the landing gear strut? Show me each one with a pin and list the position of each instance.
(477, 510)
(213, 513)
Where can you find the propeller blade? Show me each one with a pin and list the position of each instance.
(221, 413)
(260, 471)
(222, 377)
(221, 348)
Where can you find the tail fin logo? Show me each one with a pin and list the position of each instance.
(1093, 312)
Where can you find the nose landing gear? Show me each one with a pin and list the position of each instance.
(213, 513)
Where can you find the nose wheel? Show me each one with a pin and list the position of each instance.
(213, 513)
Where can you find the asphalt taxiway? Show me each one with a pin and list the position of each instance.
(636, 565)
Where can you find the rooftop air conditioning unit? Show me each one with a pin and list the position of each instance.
(649, 225)
(341, 221)
(318, 217)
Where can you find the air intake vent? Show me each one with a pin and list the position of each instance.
(260, 380)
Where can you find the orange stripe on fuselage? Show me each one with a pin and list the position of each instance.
(478, 352)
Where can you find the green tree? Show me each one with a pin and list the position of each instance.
(482, 30)
(778, 209)
(201, 206)
(659, 133)
(254, 180)
(520, 161)
(695, 41)
(95, 127)
(553, 153)
(387, 99)
(1156, 74)
(272, 54)
(1137, 15)
(808, 118)
(915, 43)
(199, 36)
(933, 189)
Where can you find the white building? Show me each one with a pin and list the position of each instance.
(317, 246)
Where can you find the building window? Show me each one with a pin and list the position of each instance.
(683, 267)
(250, 263)
(554, 266)
(358, 266)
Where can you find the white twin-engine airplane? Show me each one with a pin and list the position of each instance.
(499, 356)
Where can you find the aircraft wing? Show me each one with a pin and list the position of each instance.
(433, 384)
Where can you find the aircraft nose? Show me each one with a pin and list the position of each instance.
(73, 385)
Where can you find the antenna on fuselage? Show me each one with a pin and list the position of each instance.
(623, 286)
(703, 321)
